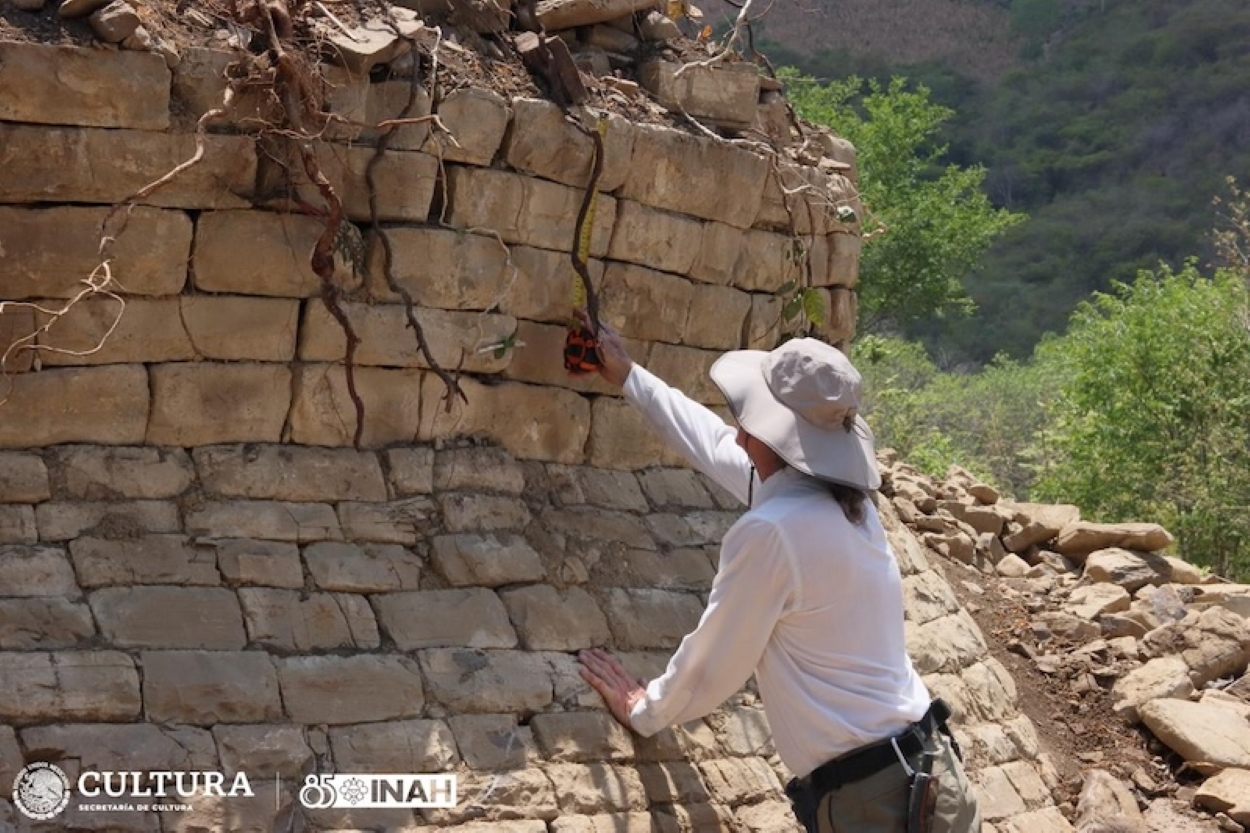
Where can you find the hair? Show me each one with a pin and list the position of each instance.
(850, 499)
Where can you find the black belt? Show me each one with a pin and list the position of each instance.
(869, 760)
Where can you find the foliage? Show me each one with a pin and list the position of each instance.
(1151, 422)
(927, 222)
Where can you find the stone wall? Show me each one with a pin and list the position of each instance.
(198, 571)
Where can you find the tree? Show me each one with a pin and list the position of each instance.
(1153, 419)
(927, 224)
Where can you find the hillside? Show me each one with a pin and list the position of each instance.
(1111, 124)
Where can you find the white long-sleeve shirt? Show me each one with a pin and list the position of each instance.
(808, 601)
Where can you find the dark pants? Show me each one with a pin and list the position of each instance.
(878, 803)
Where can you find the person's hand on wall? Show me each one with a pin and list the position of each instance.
(614, 360)
(608, 676)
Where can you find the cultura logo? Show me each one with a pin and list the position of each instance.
(40, 791)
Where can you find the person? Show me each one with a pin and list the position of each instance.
(807, 595)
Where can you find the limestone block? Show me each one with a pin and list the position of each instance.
(202, 403)
(356, 99)
(395, 746)
(149, 559)
(487, 682)
(927, 596)
(802, 199)
(31, 571)
(716, 318)
(103, 473)
(240, 328)
(477, 119)
(18, 524)
(1091, 601)
(371, 568)
(537, 359)
(290, 620)
(621, 438)
(270, 748)
(566, 14)
(991, 690)
(403, 182)
(695, 175)
(515, 801)
(538, 284)
(115, 22)
(465, 512)
(996, 796)
(586, 526)
(843, 264)
(441, 268)
(1214, 643)
(456, 339)
(945, 644)
(656, 239)
(138, 746)
(100, 330)
(265, 563)
(765, 817)
(485, 560)
(763, 326)
(199, 85)
(669, 488)
(1129, 570)
(276, 521)
(275, 261)
(547, 619)
(690, 529)
(361, 688)
(411, 470)
(767, 261)
(723, 94)
(546, 424)
(74, 686)
(651, 618)
(739, 780)
(1080, 538)
(53, 84)
(478, 468)
(719, 250)
(589, 788)
(394, 522)
(544, 144)
(1206, 733)
(210, 687)
(49, 253)
(684, 568)
(1159, 677)
(492, 741)
(375, 41)
(471, 618)
(609, 489)
(1227, 792)
(11, 760)
(646, 304)
(581, 737)
(169, 617)
(521, 209)
(843, 307)
(323, 414)
(62, 521)
(17, 338)
(281, 472)
(85, 165)
(673, 782)
(42, 623)
(687, 369)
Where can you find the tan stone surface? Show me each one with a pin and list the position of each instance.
(946, 644)
(539, 282)
(524, 210)
(395, 746)
(354, 689)
(203, 403)
(104, 330)
(485, 560)
(621, 438)
(36, 571)
(477, 119)
(49, 253)
(717, 317)
(515, 801)
(547, 619)
(687, 369)
(270, 748)
(492, 741)
(17, 326)
(240, 328)
(537, 358)
(808, 204)
(18, 524)
(150, 559)
(411, 470)
(143, 746)
(763, 325)
(88, 165)
(1082, 537)
(1208, 733)
(371, 568)
(394, 522)
(656, 239)
(565, 14)
(44, 623)
(442, 268)
(465, 512)
(169, 617)
(354, 98)
(59, 521)
(210, 687)
(403, 182)
(323, 414)
(267, 563)
(650, 618)
(844, 254)
(581, 737)
(52, 84)
(843, 307)
(723, 94)
(455, 339)
(94, 405)
(646, 304)
(767, 261)
(695, 175)
(468, 618)
(541, 142)
(74, 686)
(273, 520)
(487, 682)
(199, 84)
(1159, 677)
(279, 472)
(275, 261)
(582, 788)
(719, 250)
(87, 472)
(289, 620)
(1227, 792)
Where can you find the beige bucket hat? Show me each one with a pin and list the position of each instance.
(802, 401)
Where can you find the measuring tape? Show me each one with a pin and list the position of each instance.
(581, 348)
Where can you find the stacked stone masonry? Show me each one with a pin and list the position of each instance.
(199, 572)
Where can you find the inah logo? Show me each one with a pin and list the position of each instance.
(40, 790)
